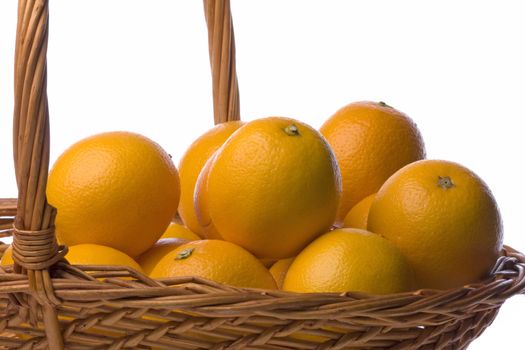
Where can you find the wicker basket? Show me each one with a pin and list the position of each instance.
(48, 304)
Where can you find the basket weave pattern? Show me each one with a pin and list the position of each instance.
(46, 303)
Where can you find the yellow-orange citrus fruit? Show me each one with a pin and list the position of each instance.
(370, 141)
(202, 210)
(349, 259)
(191, 165)
(152, 256)
(176, 230)
(216, 260)
(95, 254)
(268, 262)
(271, 188)
(443, 218)
(7, 257)
(357, 217)
(279, 269)
(117, 189)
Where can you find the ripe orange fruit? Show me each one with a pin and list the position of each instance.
(202, 210)
(370, 141)
(176, 230)
(357, 217)
(349, 259)
(267, 262)
(191, 165)
(216, 260)
(271, 188)
(279, 269)
(117, 189)
(7, 257)
(95, 254)
(443, 218)
(152, 256)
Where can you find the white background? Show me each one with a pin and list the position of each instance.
(457, 68)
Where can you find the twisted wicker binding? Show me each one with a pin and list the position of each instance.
(45, 303)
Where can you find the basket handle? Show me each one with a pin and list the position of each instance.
(34, 243)
(221, 43)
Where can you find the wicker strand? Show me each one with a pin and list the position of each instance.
(222, 60)
(36, 250)
(7, 214)
(34, 243)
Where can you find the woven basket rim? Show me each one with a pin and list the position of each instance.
(8, 210)
(211, 303)
(499, 272)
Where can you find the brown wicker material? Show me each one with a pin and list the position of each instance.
(222, 60)
(48, 304)
(7, 216)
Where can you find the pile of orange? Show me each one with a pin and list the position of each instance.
(274, 203)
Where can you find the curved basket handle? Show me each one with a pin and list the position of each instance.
(35, 217)
(34, 243)
(31, 119)
(221, 43)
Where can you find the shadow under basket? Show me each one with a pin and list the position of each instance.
(46, 303)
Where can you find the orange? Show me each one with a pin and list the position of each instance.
(202, 210)
(152, 256)
(267, 262)
(349, 259)
(370, 141)
(271, 188)
(191, 165)
(176, 230)
(443, 218)
(117, 189)
(279, 269)
(7, 257)
(216, 260)
(95, 254)
(357, 217)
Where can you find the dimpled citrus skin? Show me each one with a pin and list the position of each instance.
(176, 230)
(443, 218)
(191, 165)
(271, 188)
(149, 259)
(279, 269)
(349, 259)
(216, 260)
(370, 141)
(117, 189)
(94, 254)
(357, 217)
